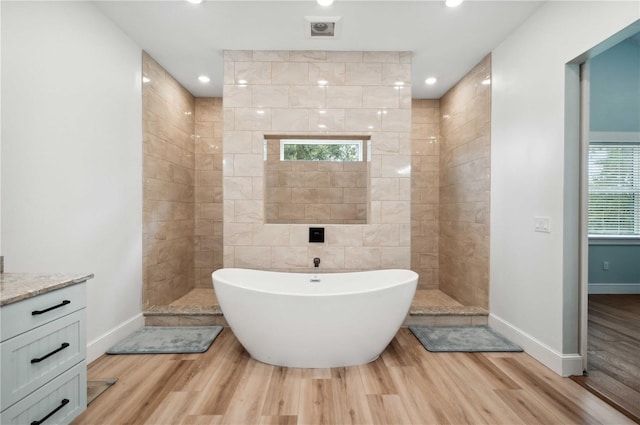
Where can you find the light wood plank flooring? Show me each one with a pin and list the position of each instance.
(613, 362)
(406, 385)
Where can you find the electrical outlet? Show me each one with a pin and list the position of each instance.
(605, 265)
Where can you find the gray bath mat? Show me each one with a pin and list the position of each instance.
(462, 338)
(166, 340)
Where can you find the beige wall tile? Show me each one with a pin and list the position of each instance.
(364, 74)
(345, 57)
(363, 120)
(290, 119)
(343, 112)
(252, 72)
(237, 96)
(252, 119)
(394, 72)
(383, 57)
(307, 56)
(380, 97)
(344, 96)
(270, 56)
(238, 187)
(332, 73)
(361, 258)
(464, 189)
(168, 187)
(269, 96)
(307, 96)
(290, 73)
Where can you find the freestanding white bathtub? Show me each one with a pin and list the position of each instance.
(314, 320)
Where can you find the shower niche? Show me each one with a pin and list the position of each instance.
(316, 179)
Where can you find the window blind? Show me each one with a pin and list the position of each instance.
(614, 189)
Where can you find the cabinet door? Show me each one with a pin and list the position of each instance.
(57, 402)
(33, 358)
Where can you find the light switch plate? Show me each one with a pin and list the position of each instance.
(542, 224)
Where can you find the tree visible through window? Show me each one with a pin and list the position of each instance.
(614, 189)
(320, 150)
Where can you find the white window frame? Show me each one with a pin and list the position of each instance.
(621, 139)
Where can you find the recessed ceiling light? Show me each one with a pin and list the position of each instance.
(145, 79)
(322, 83)
(453, 3)
(195, 1)
(325, 3)
(430, 80)
(486, 81)
(204, 79)
(242, 81)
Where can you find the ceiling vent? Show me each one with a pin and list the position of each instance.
(323, 27)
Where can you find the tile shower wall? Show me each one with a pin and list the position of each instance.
(464, 187)
(208, 189)
(425, 151)
(308, 93)
(168, 186)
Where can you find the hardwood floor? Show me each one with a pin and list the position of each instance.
(406, 385)
(613, 362)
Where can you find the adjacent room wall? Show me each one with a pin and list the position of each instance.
(283, 93)
(425, 157)
(614, 81)
(169, 186)
(534, 295)
(465, 180)
(72, 157)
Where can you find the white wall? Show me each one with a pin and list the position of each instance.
(72, 156)
(534, 295)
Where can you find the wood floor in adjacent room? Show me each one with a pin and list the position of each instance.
(613, 359)
(406, 385)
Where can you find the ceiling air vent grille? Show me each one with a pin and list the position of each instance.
(323, 27)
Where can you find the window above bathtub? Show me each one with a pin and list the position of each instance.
(321, 150)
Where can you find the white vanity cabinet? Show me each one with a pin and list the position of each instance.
(43, 357)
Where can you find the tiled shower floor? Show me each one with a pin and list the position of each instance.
(200, 307)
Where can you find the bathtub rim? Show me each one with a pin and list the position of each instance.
(411, 279)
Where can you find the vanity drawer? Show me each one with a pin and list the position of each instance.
(67, 393)
(33, 358)
(24, 315)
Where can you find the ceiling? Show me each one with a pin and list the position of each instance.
(188, 40)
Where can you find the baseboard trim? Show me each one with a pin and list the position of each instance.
(562, 364)
(614, 288)
(101, 344)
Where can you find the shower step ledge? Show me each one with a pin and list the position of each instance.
(210, 315)
(446, 316)
(183, 310)
(448, 311)
(184, 315)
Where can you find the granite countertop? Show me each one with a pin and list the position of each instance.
(16, 287)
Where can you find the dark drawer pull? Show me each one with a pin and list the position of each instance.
(62, 347)
(63, 403)
(62, 304)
